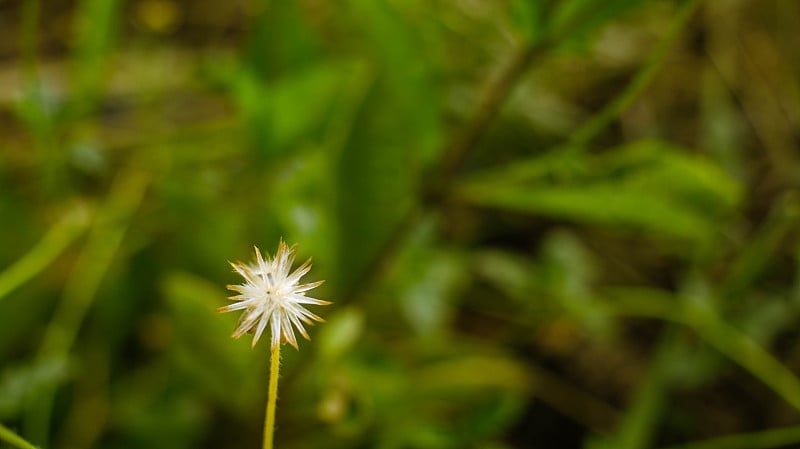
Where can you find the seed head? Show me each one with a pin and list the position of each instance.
(271, 296)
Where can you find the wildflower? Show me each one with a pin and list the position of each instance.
(271, 296)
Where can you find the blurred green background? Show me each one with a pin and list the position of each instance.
(544, 223)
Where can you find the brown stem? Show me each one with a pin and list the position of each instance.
(454, 155)
(498, 91)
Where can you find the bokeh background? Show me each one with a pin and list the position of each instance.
(544, 224)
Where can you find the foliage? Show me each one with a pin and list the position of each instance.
(542, 223)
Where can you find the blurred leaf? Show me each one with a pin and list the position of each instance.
(297, 202)
(21, 383)
(96, 25)
(567, 265)
(109, 228)
(49, 247)
(723, 128)
(646, 164)
(232, 123)
(528, 16)
(761, 246)
(36, 109)
(464, 373)
(480, 396)
(645, 186)
(662, 167)
(426, 279)
(340, 334)
(556, 166)
(607, 205)
(699, 315)
(286, 111)
(299, 104)
(297, 47)
(427, 300)
(467, 424)
(638, 83)
(397, 42)
(396, 133)
(575, 20)
(152, 410)
(559, 281)
(512, 274)
(568, 272)
(639, 423)
(12, 438)
(204, 350)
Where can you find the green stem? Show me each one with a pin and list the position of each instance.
(13, 439)
(110, 225)
(714, 330)
(51, 246)
(638, 427)
(31, 14)
(641, 80)
(743, 350)
(272, 396)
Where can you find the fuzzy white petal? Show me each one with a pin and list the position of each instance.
(271, 296)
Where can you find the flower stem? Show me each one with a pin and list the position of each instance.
(272, 396)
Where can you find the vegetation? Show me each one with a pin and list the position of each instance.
(543, 224)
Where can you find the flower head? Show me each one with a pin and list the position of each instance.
(271, 296)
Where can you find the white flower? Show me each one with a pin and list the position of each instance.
(271, 296)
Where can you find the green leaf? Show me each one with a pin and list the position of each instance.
(758, 252)
(12, 438)
(397, 134)
(426, 280)
(641, 419)
(153, 409)
(341, 332)
(675, 172)
(645, 186)
(286, 112)
(281, 41)
(203, 349)
(20, 383)
(604, 204)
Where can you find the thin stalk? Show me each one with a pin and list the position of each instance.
(456, 151)
(31, 14)
(109, 227)
(272, 396)
(640, 82)
(495, 96)
(13, 439)
(719, 334)
(57, 239)
(745, 351)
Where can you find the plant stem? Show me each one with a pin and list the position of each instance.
(272, 396)
(57, 239)
(494, 97)
(454, 154)
(13, 439)
(745, 351)
(640, 82)
(109, 226)
(714, 330)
